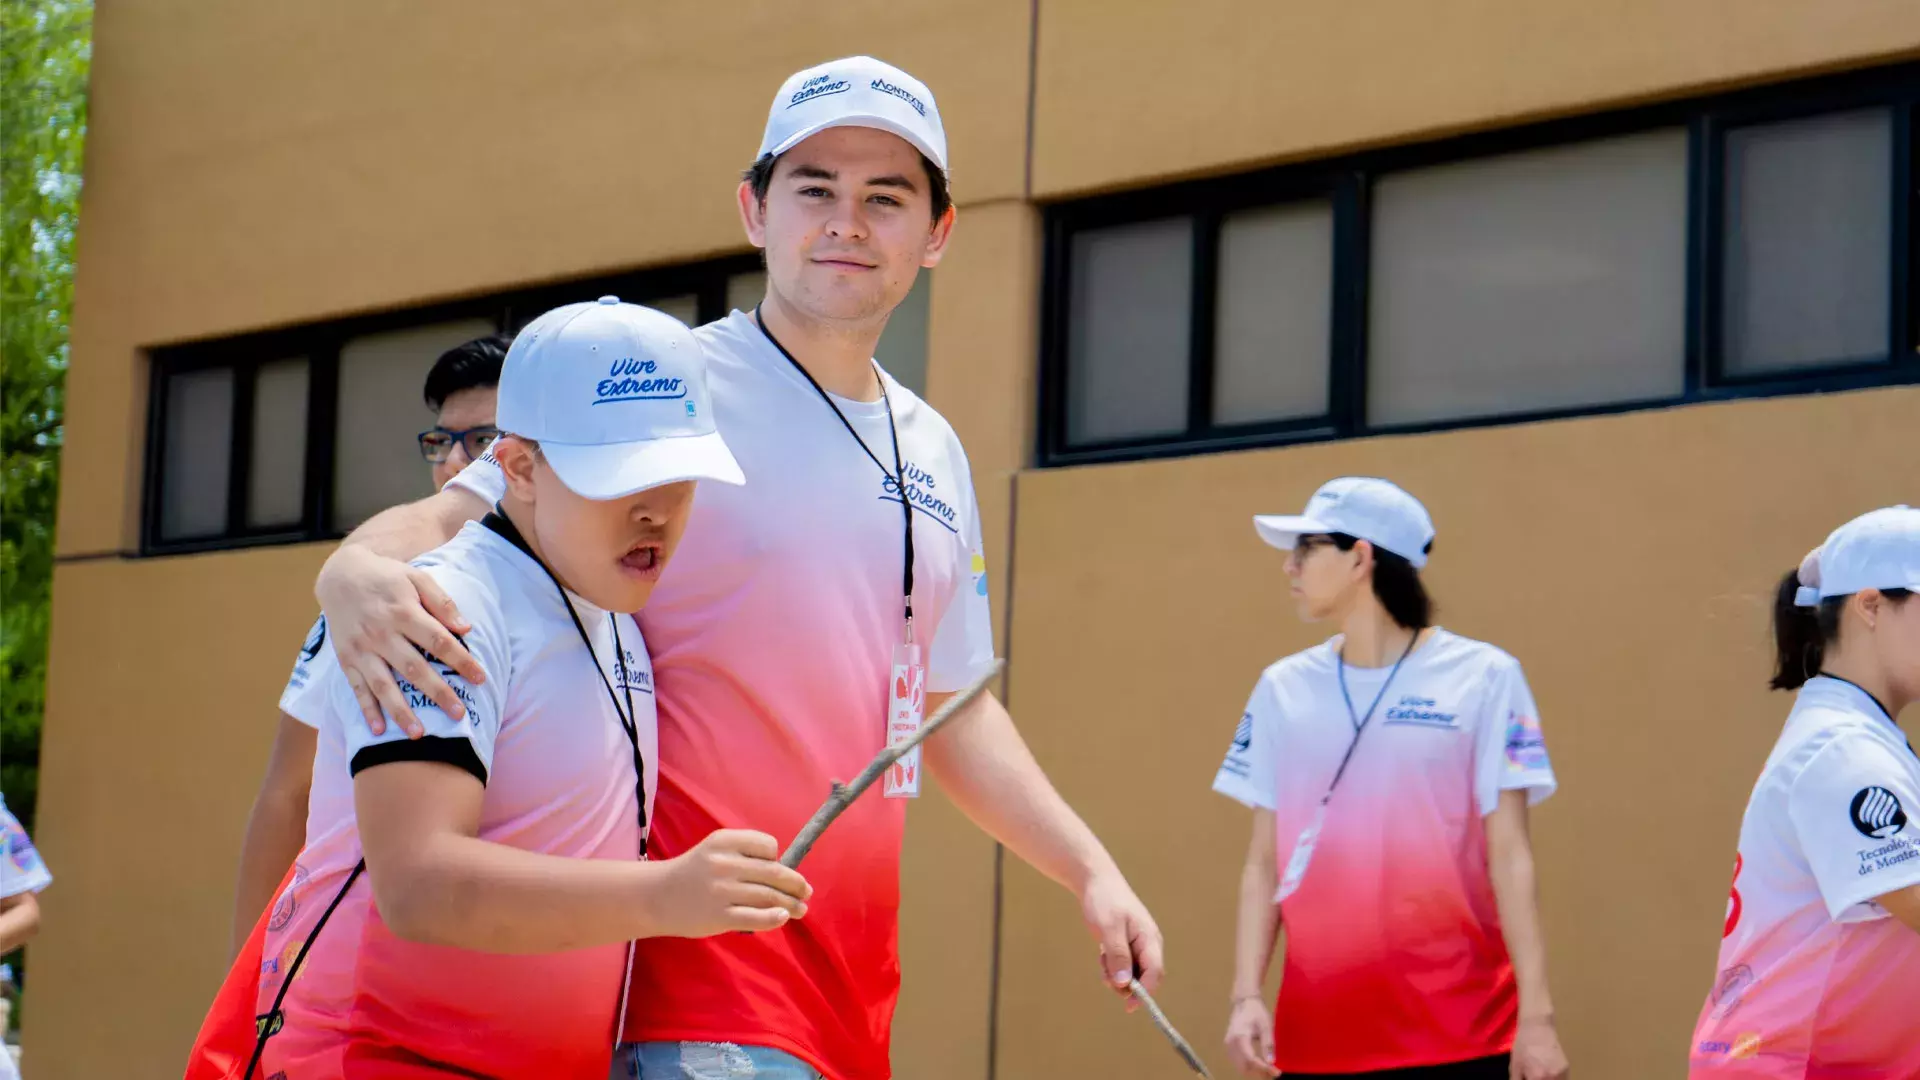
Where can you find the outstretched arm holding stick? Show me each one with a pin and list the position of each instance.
(987, 770)
(984, 766)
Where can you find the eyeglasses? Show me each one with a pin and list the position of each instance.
(436, 445)
(1306, 545)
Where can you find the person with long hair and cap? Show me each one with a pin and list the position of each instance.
(1390, 770)
(1820, 954)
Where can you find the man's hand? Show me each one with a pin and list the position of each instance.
(1536, 1052)
(385, 617)
(1129, 941)
(984, 766)
(1250, 1037)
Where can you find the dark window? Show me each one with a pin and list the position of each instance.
(381, 413)
(1131, 305)
(301, 434)
(198, 456)
(1749, 244)
(1806, 213)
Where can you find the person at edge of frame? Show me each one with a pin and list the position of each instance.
(1820, 952)
(23, 877)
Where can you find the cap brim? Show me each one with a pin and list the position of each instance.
(865, 120)
(616, 470)
(1285, 530)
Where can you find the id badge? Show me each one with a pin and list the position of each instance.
(906, 707)
(1302, 855)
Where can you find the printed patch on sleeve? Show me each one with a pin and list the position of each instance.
(1239, 762)
(1877, 813)
(1526, 747)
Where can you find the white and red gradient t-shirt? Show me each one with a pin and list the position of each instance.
(772, 635)
(1394, 955)
(542, 735)
(1816, 981)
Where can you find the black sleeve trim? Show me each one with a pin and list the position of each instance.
(450, 751)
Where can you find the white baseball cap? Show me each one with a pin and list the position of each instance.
(857, 91)
(616, 396)
(1364, 507)
(1877, 550)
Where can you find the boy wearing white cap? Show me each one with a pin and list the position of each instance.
(1820, 954)
(1389, 770)
(847, 578)
(464, 900)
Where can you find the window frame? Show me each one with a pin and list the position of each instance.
(320, 343)
(1348, 183)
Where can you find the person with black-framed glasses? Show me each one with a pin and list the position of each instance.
(462, 390)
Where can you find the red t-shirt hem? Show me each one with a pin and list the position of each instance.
(1386, 1063)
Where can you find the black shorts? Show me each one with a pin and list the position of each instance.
(1490, 1068)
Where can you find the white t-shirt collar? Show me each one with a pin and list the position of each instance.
(1845, 693)
(767, 355)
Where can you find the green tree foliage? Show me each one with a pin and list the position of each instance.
(45, 48)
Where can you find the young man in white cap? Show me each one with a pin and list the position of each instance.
(852, 556)
(1820, 953)
(465, 900)
(1389, 770)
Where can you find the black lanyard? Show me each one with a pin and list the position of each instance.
(1360, 723)
(899, 473)
(498, 522)
(274, 1020)
(268, 1025)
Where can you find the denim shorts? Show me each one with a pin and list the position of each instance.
(706, 1061)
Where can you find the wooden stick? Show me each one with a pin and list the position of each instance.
(1166, 1028)
(842, 795)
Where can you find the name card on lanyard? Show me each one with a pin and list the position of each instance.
(906, 709)
(907, 681)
